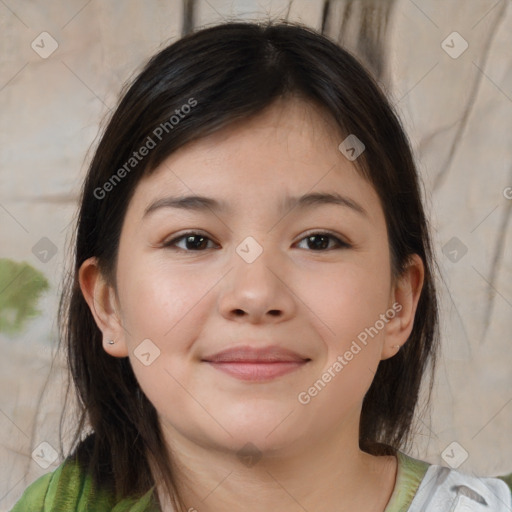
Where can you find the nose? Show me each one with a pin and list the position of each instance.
(258, 291)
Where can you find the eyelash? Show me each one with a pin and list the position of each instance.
(340, 243)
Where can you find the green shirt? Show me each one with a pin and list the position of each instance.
(68, 489)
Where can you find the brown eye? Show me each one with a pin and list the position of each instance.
(197, 242)
(320, 241)
(193, 242)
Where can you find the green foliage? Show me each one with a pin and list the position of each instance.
(20, 288)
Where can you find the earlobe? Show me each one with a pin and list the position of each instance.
(101, 300)
(404, 298)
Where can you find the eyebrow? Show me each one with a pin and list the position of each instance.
(203, 203)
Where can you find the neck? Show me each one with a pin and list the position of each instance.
(326, 474)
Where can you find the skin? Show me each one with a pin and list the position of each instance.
(315, 301)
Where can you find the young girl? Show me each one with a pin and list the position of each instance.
(252, 307)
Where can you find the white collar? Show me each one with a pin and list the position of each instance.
(447, 490)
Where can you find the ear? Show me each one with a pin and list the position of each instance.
(102, 302)
(404, 298)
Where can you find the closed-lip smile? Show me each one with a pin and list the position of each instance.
(256, 363)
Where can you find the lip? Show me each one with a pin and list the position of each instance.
(256, 363)
(248, 354)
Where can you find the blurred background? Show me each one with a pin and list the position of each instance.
(447, 68)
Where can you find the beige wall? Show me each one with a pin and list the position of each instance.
(458, 112)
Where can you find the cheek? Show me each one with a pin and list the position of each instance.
(165, 306)
(158, 300)
(351, 299)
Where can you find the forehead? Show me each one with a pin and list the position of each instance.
(306, 127)
(288, 150)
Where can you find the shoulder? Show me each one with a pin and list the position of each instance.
(69, 487)
(65, 488)
(444, 489)
(34, 496)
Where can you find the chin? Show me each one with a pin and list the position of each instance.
(268, 438)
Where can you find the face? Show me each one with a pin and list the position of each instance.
(312, 279)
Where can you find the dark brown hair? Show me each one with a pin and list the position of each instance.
(233, 71)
